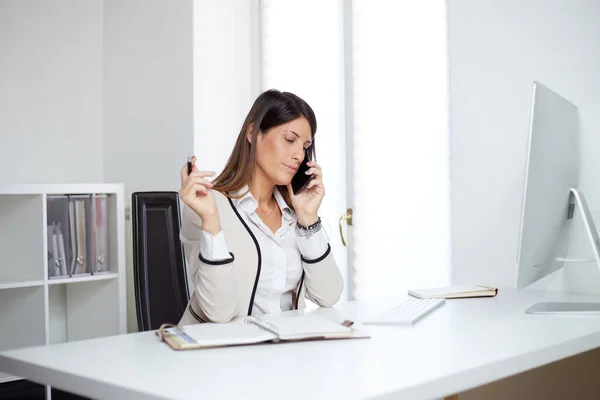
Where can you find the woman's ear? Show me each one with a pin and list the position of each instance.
(249, 132)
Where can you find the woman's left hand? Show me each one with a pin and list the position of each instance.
(307, 202)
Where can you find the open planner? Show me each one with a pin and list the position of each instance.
(254, 330)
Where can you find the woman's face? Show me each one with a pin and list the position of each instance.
(281, 150)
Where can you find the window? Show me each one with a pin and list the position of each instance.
(399, 127)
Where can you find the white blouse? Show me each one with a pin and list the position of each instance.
(281, 267)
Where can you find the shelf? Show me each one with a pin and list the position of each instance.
(83, 278)
(37, 309)
(15, 285)
(60, 188)
(23, 317)
(83, 311)
(23, 238)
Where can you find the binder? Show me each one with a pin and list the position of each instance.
(61, 250)
(54, 261)
(57, 221)
(80, 238)
(99, 232)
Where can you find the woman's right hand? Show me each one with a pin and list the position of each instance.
(196, 193)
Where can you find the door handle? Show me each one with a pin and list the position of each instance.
(348, 218)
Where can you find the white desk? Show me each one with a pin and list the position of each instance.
(464, 344)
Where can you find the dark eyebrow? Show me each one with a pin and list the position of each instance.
(308, 141)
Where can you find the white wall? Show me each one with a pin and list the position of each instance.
(497, 49)
(148, 92)
(178, 79)
(226, 75)
(51, 91)
(148, 101)
(105, 90)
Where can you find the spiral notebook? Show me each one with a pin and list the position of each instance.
(253, 330)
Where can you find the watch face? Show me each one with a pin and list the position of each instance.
(303, 233)
(310, 230)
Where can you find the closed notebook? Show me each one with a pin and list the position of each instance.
(454, 292)
(253, 330)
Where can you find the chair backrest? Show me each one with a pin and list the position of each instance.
(159, 271)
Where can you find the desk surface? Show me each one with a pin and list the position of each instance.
(464, 344)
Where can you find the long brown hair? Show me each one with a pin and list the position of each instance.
(272, 108)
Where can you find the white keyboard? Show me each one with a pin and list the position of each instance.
(408, 312)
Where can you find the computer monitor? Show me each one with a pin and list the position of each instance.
(551, 197)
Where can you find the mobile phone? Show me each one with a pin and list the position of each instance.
(189, 165)
(300, 180)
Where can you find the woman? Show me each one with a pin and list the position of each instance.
(252, 245)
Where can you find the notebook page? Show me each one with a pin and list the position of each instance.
(223, 334)
(306, 326)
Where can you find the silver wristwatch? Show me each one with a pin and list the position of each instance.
(307, 231)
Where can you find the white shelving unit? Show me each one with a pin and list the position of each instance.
(36, 310)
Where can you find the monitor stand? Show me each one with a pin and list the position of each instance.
(575, 308)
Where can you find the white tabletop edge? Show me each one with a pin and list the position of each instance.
(82, 386)
(452, 384)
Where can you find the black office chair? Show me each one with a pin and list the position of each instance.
(159, 270)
